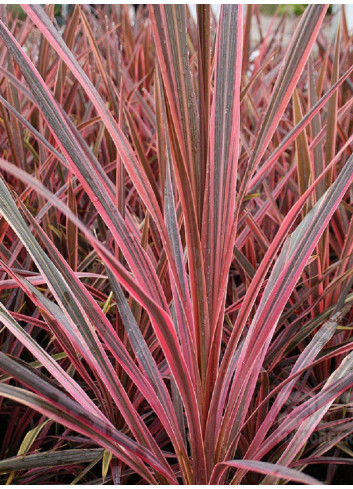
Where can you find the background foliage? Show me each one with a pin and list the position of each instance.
(176, 247)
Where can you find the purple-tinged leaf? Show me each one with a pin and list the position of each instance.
(275, 470)
(219, 204)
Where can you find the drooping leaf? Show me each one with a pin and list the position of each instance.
(276, 470)
(49, 459)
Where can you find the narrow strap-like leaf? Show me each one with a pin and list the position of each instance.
(47, 361)
(49, 459)
(161, 321)
(293, 64)
(128, 158)
(321, 338)
(55, 405)
(276, 470)
(218, 226)
(95, 187)
(219, 203)
(308, 415)
(77, 316)
(286, 272)
(169, 29)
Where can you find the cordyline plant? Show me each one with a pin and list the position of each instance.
(176, 247)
